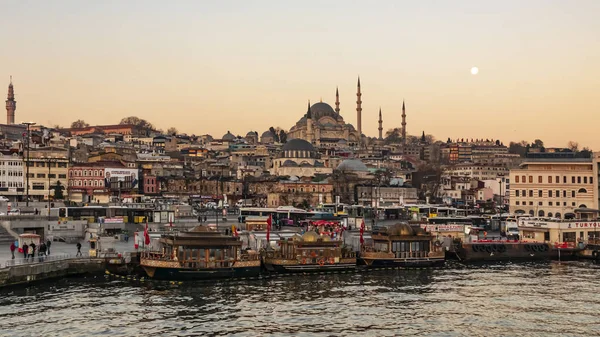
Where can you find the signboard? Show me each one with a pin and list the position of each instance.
(443, 228)
(117, 219)
(121, 174)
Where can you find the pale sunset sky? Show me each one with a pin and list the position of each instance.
(213, 66)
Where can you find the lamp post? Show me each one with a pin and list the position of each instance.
(50, 160)
(27, 167)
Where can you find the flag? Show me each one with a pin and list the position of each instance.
(269, 223)
(362, 230)
(234, 231)
(146, 235)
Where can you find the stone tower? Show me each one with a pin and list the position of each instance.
(309, 125)
(380, 125)
(358, 112)
(403, 124)
(11, 104)
(337, 101)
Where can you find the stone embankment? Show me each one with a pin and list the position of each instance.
(29, 273)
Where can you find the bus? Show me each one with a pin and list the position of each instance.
(96, 214)
(255, 211)
(336, 209)
(284, 215)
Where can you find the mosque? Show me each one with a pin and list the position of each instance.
(325, 127)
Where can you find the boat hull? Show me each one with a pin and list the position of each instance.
(172, 272)
(401, 263)
(292, 266)
(504, 251)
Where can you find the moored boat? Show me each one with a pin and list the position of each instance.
(310, 252)
(402, 245)
(200, 254)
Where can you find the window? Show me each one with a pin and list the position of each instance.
(524, 193)
(579, 180)
(549, 193)
(540, 203)
(531, 203)
(549, 179)
(531, 193)
(573, 204)
(517, 203)
(581, 190)
(62, 176)
(572, 180)
(585, 180)
(516, 179)
(531, 179)
(564, 194)
(52, 176)
(539, 193)
(517, 193)
(557, 179)
(557, 193)
(549, 204)
(591, 180)
(564, 179)
(539, 179)
(572, 194)
(41, 175)
(523, 179)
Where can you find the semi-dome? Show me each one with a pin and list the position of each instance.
(228, 136)
(353, 165)
(298, 145)
(251, 134)
(321, 109)
(310, 236)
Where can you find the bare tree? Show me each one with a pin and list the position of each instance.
(172, 131)
(573, 146)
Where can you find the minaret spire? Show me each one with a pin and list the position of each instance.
(403, 124)
(359, 111)
(11, 104)
(337, 101)
(380, 125)
(309, 125)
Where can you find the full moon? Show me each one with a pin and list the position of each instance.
(474, 70)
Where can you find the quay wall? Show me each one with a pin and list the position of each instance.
(30, 273)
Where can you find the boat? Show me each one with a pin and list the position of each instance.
(502, 250)
(200, 254)
(403, 246)
(310, 252)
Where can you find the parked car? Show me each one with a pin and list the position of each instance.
(14, 212)
(3, 198)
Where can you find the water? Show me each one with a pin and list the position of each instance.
(542, 299)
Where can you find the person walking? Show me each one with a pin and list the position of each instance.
(25, 252)
(78, 249)
(42, 251)
(12, 249)
(48, 243)
(32, 251)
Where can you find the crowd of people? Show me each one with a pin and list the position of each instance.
(30, 249)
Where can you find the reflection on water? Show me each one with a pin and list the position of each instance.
(543, 299)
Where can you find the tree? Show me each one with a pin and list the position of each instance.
(133, 120)
(573, 146)
(172, 131)
(58, 191)
(518, 148)
(80, 123)
(537, 144)
(282, 136)
(275, 134)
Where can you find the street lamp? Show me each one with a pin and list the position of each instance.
(27, 168)
(49, 160)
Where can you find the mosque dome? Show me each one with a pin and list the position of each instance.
(321, 109)
(228, 136)
(251, 134)
(298, 145)
(353, 165)
(310, 236)
(267, 134)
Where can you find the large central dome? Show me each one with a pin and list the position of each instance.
(321, 109)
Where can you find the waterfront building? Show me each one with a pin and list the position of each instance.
(99, 181)
(297, 192)
(553, 187)
(11, 175)
(47, 167)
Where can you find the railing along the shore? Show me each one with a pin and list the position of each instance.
(44, 258)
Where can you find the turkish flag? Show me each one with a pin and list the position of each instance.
(146, 235)
(362, 230)
(269, 223)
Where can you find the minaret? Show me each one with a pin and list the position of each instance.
(11, 104)
(358, 112)
(309, 130)
(403, 124)
(337, 101)
(380, 125)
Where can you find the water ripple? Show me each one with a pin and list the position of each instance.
(532, 299)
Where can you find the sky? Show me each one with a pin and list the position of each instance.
(208, 67)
